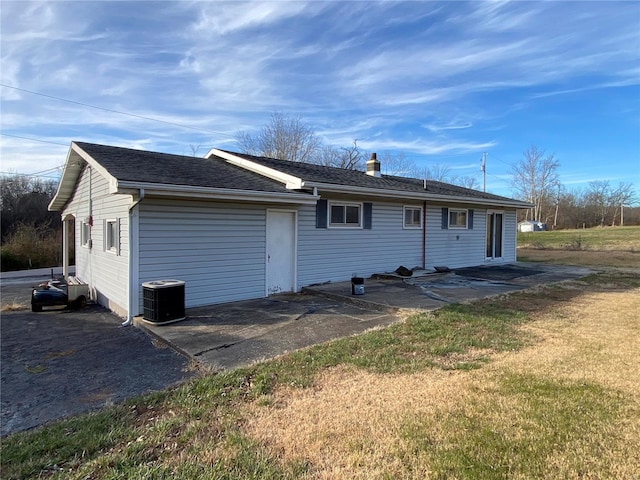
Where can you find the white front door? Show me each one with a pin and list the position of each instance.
(281, 251)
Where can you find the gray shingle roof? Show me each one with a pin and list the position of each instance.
(126, 164)
(140, 166)
(339, 176)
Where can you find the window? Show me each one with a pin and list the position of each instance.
(412, 217)
(345, 215)
(85, 234)
(457, 218)
(112, 236)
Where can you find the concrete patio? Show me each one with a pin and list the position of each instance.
(240, 333)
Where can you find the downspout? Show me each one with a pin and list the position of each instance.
(90, 256)
(132, 247)
(424, 235)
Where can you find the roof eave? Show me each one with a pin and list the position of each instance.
(211, 193)
(401, 194)
(77, 158)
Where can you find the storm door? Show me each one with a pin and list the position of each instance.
(494, 234)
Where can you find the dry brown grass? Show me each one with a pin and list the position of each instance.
(12, 306)
(353, 424)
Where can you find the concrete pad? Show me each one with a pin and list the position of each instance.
(428, 290)
(237, 334)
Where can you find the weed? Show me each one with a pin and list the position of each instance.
(576, 243)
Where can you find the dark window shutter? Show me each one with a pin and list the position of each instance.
(321, 213)
(367, 214)
(445, 218)
(470, 219)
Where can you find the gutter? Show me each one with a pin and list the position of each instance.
(140, 198)
(132, 248)
(396, 194)
(186, 191)
(424, 235)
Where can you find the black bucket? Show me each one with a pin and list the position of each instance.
(357, 286)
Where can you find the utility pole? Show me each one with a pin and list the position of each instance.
(483, 169)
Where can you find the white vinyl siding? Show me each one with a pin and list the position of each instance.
(455, 248)
(337, 254)
(218, 249)
(106, 274)
(509, 236)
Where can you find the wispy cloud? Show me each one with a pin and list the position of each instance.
(447, 126)
(426, 147)
(425, 78)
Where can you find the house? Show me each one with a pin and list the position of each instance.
(531, 226)
(236, 226)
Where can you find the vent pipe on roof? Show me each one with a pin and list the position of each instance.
(373, 166)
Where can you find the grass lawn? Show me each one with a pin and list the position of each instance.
(610, 246)
(600, 239)
(536, 384)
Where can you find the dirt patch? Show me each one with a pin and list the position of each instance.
(612, 258)
(352, 423)
(497, 272)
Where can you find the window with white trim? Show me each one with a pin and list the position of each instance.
(85, 234)
(345, 215)
(412, 217)
(112, 236)
(458, 218)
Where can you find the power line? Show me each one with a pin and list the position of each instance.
(34, 139)
(59, 167)
(115, 111)
(27, 175)
(41, 173)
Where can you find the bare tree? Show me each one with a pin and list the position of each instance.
(604, 203)
(396, 164)
(535, 178)
(622, 196)
(30, 233)
(439, 173)
(284, 137)
(194, 149)
(24, 200)
(468, 182)
(351, 158)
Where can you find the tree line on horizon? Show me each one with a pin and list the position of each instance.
(31, 236)
(535, 177)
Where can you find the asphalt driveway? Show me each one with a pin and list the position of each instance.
(60, 363)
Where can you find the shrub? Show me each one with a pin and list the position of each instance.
(31, 247)
(575, 244)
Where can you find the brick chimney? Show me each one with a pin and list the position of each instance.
(373, 166)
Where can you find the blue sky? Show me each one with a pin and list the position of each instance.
(440, 82)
